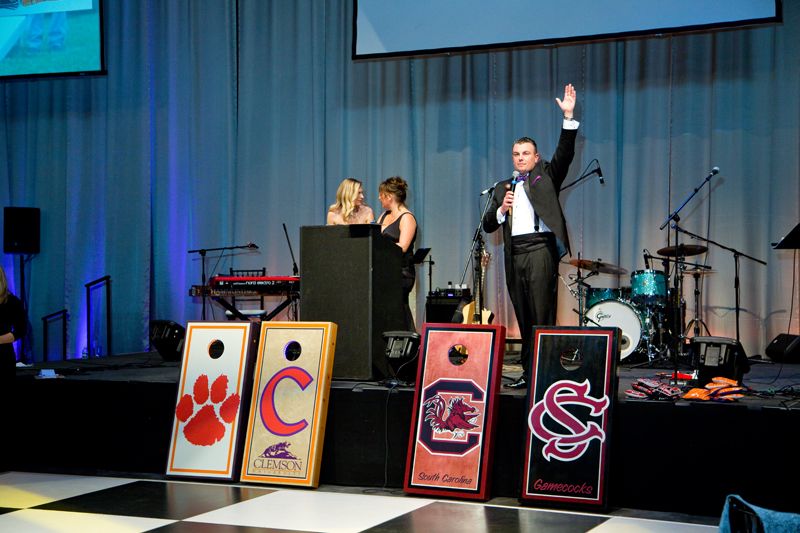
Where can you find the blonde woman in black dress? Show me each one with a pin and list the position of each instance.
(350, 207)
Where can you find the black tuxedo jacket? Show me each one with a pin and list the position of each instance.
(542, 193)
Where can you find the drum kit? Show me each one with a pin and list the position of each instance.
(649, 313)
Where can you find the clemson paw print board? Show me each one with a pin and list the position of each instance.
(455, 406)
(570, 400)
(289, 404)
(207, 413)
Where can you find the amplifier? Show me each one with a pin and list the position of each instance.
(441, 307)
(450, 292)
(719, 356)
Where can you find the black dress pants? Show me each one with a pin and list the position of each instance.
(533, 290)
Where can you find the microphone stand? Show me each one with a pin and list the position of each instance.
(478, 236)
(202, 252)
(674, 215)
(678, 275)
(736, 255)
(430, 262)
(584, 175)
(295, 272)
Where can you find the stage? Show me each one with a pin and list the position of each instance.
(113, 416)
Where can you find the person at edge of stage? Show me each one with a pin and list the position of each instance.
(350, 207)
(13, 326)
(534, 230)
(399, 225)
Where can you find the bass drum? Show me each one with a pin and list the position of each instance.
(613, 313)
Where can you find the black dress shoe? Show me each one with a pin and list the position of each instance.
(521, 383)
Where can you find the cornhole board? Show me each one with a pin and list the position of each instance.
(455, 408)
(208, 411)
(289, 404)
(569, 407)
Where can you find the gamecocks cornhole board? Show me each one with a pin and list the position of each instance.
(289, 406)
(208, 411)
(570, 400)
(455, 403)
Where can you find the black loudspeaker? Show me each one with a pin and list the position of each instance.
(784, 348)
(351, 276)
(443, 308)
(167, 338)
(718, 356)
(21, 230)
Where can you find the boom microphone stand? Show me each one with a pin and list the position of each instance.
(295, 271)
(586, 175)
(478, 236)
(736, 255)
(203, 251)
(678, 341)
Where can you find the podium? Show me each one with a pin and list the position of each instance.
(350, 275)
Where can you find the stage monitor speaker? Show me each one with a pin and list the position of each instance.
(402, 351)
(351, 277)
(718, 356)
(21, 230)
(167, 338)
(785, 348)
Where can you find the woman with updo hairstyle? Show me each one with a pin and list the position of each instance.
(350, 207)
(398, 224)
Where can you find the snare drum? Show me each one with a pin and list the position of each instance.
(622, 315)
(649, 287)
(595, 295)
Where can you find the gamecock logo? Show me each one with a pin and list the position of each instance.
(456, 417)
(573, 442)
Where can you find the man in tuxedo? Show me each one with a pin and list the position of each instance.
(534, 230)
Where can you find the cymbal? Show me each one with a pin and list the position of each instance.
(698, 272)
(598, 266)
(683, 250)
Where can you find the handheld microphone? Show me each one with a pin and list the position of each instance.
(514, 180)
(600, 174)
(714, 171)
(646, 259)
(252, 246)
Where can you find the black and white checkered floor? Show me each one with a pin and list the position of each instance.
(54, 503)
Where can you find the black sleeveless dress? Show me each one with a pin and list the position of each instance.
(407, 269)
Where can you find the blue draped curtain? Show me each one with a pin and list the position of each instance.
(220, 121)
